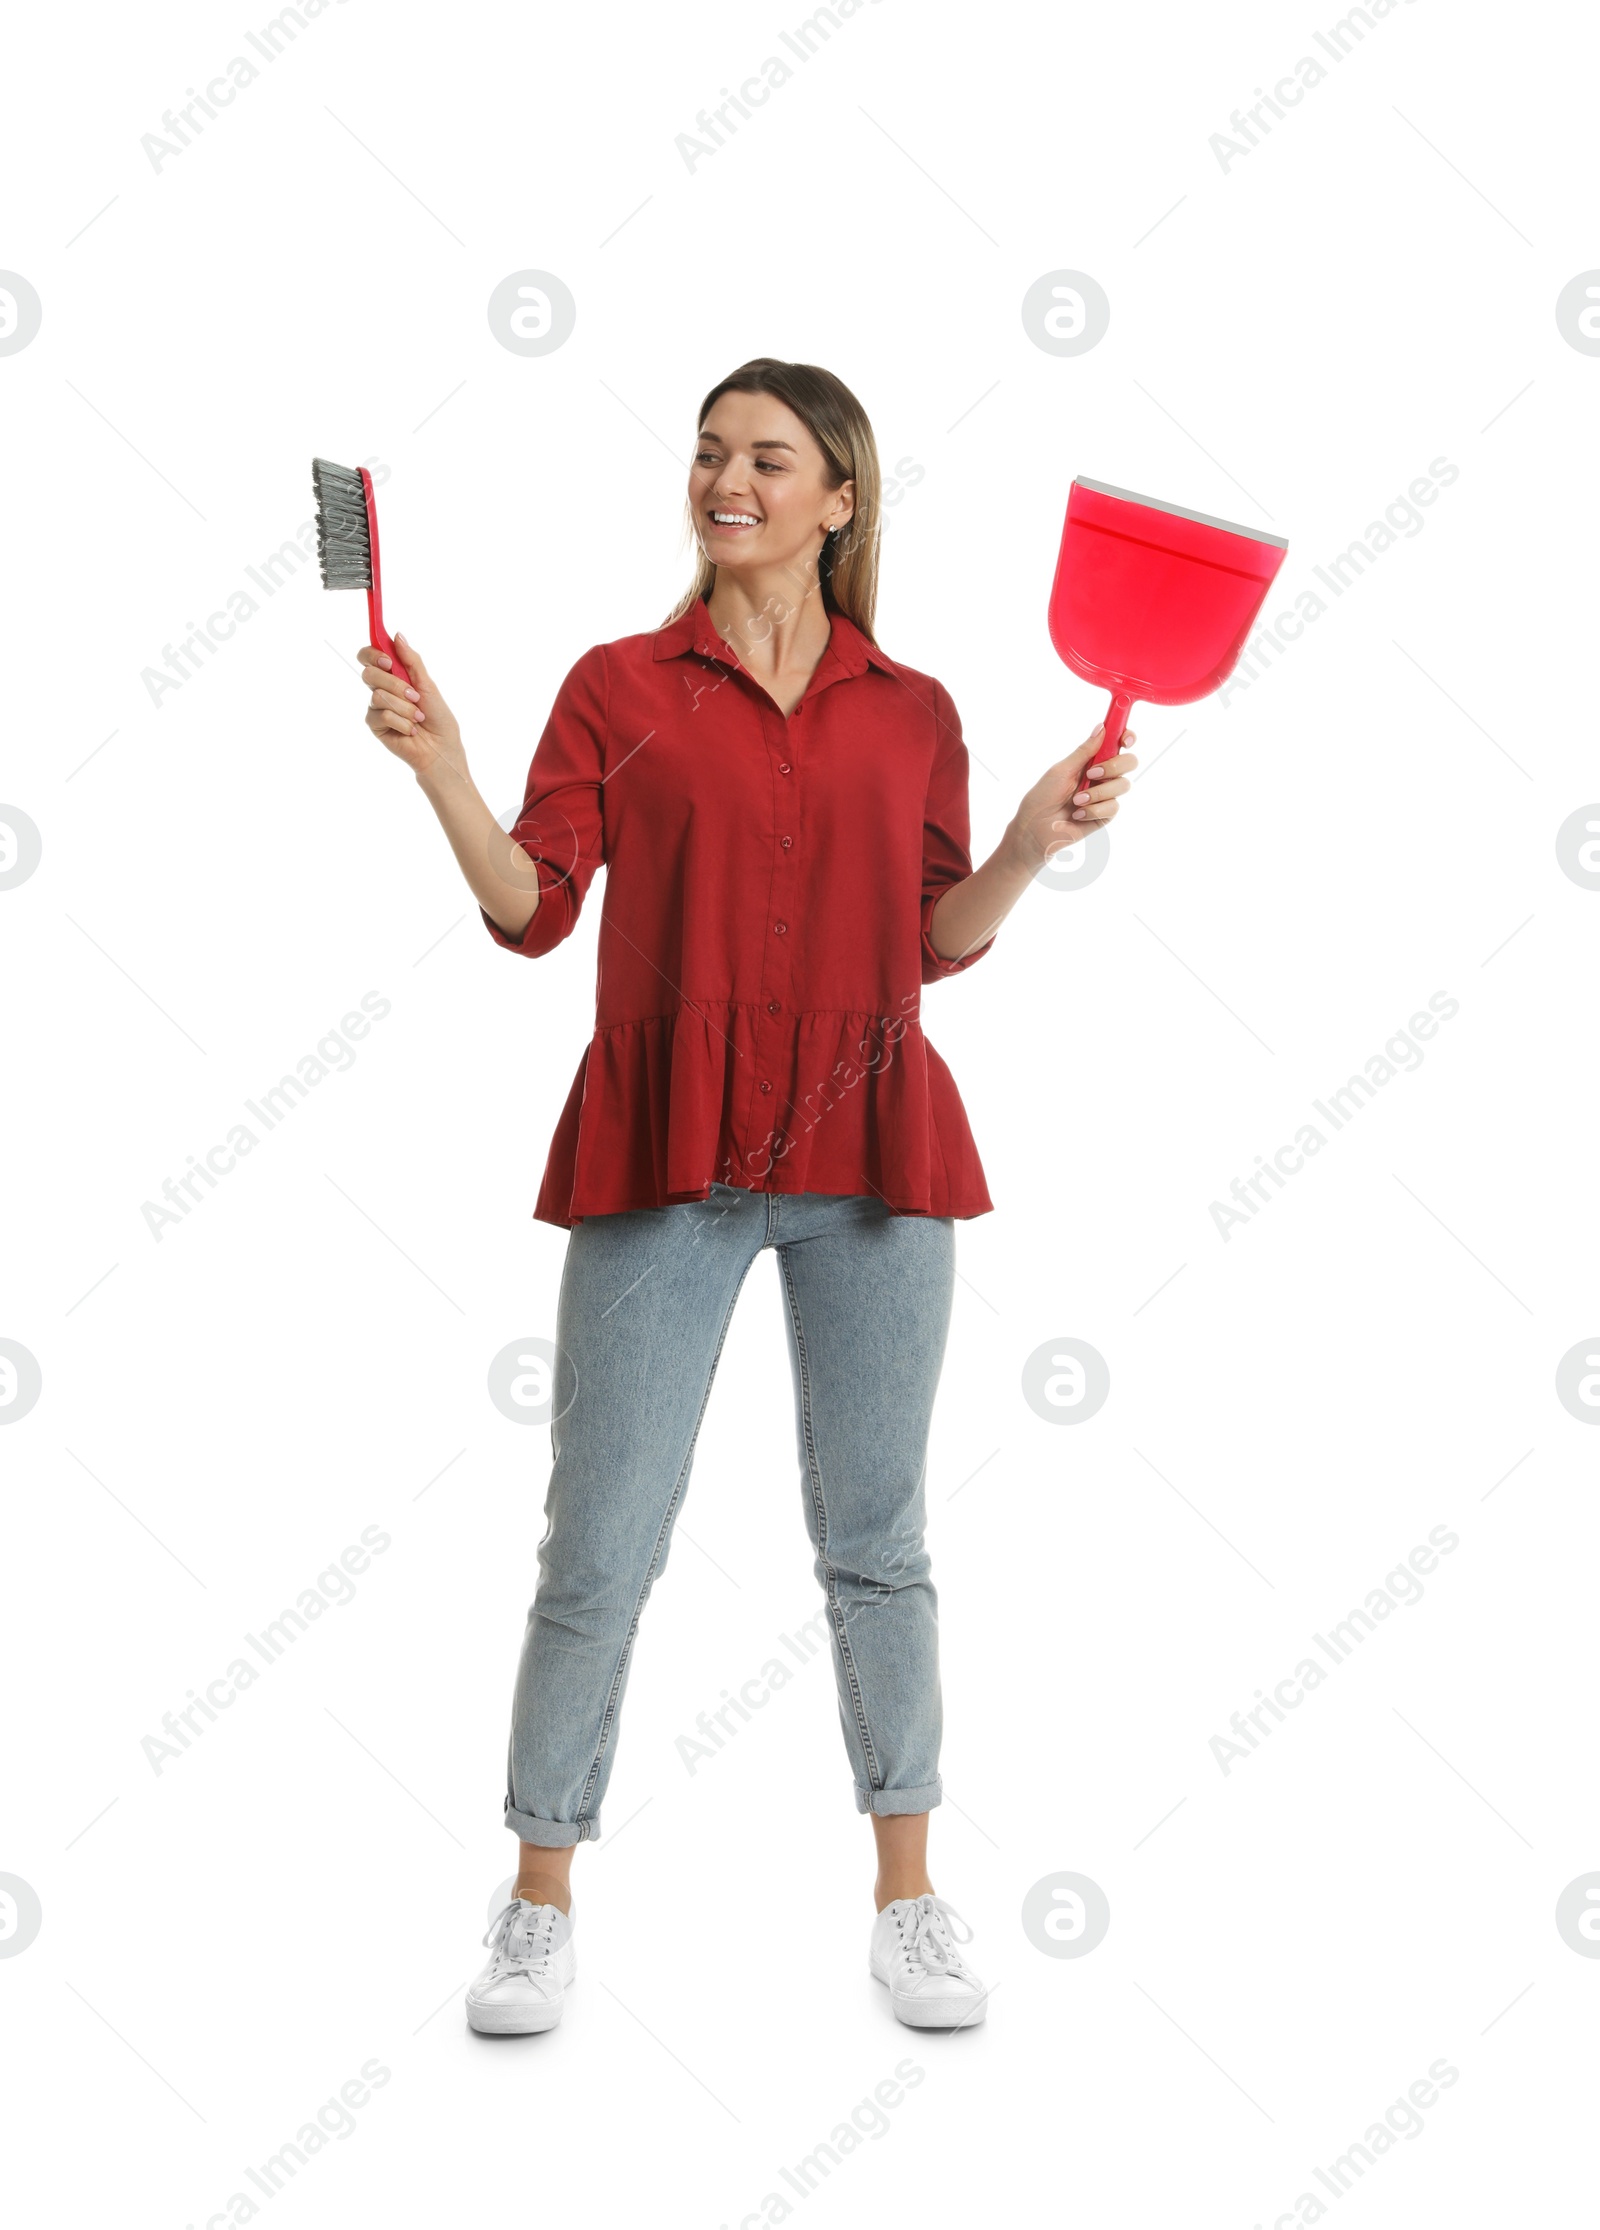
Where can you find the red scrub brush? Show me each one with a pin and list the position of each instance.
(347, 544)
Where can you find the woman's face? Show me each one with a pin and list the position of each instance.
(758, 486)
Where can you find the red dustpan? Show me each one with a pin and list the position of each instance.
(1151, 601)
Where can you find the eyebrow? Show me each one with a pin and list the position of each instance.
(707, 435)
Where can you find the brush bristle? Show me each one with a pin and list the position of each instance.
(344, 543)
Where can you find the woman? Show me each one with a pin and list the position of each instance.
(782, 810)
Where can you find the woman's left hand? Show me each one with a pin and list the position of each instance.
(1071, 799)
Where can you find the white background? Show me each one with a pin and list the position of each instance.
(1293, 340)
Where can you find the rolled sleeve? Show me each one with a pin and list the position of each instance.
(562, 822)
(946, 836)
(555, 917)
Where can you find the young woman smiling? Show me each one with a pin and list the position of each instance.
(782, 812)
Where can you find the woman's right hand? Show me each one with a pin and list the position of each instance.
(415, 724)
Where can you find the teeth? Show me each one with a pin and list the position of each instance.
(735, 519)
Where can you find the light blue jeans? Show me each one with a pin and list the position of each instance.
(646, 1300)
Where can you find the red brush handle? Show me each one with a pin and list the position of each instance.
(381, 638)
(1111, 742)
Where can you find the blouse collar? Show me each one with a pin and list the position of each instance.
(848, 650)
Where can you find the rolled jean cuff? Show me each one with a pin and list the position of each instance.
(551, 1835)
(887, 1802)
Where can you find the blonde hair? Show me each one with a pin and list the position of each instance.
(847, 565)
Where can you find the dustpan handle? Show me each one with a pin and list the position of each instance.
(1111, 742)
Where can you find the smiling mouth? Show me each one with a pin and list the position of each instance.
(733, 522)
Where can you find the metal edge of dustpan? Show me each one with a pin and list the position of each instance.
(1179, 511)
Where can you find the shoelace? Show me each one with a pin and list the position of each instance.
(931, 1943)
(532, 1952)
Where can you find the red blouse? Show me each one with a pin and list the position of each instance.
(765, 932)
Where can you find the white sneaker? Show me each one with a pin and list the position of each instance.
(531, 1966)
(914, 1952)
